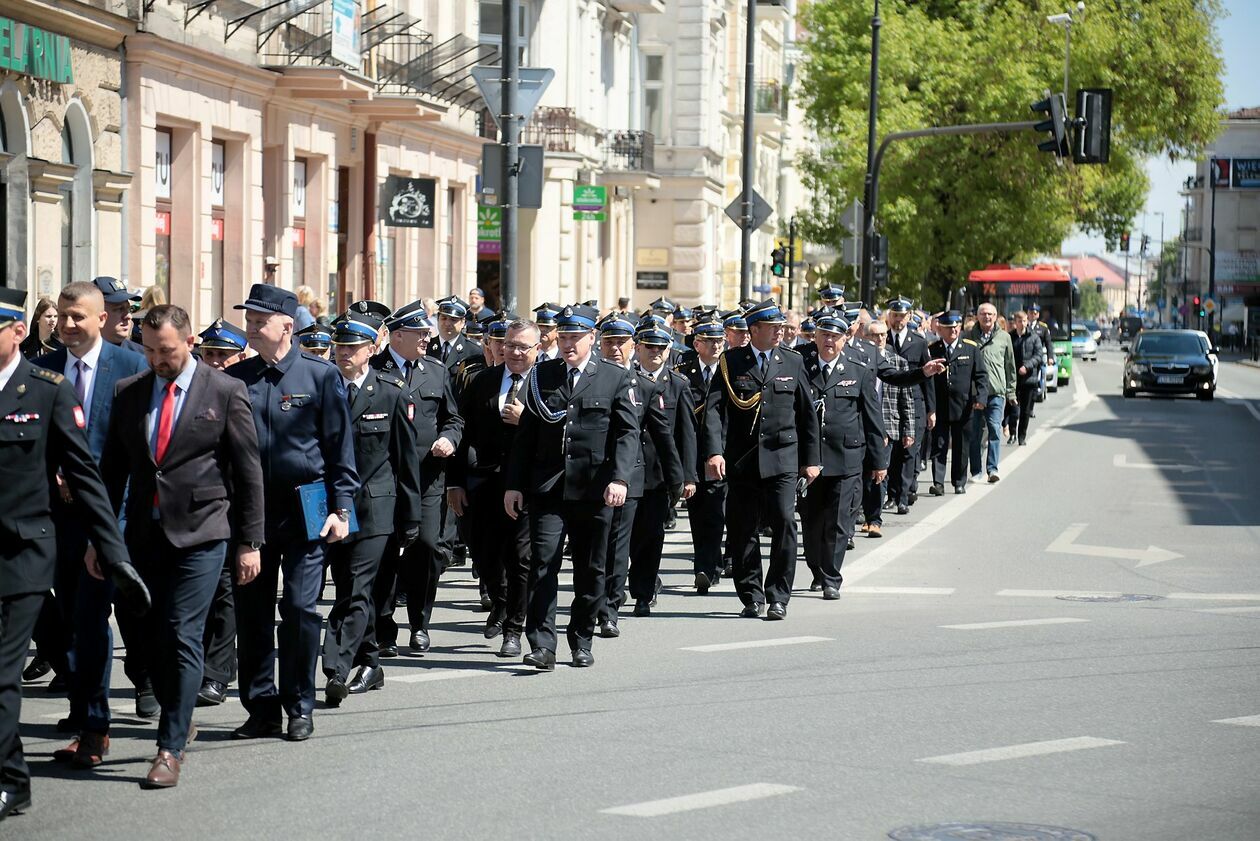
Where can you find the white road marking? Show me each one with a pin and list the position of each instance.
(1065, 544)
(770, 643)
(1229, 610)
(1122, 460)
(701, 800)
(924, 530)
(897, 591)
(429, 674)
(1245, 721)
(1207, 597)
(1246, 404)
(1217, 597)
(1014, 623)
(977, 757)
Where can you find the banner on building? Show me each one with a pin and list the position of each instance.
(1219, 171)
(217, 169)
(346, 46)
(489, 230)
(1246, 173)
(408, 202)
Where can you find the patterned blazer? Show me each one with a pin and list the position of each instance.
(897, 401)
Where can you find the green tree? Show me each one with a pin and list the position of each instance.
(951, 205)
(1093, 304)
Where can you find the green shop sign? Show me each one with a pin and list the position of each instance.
(35, 52)
(589, 202)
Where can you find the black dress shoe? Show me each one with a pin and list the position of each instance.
(387, 650)
(37, 669)
(335, 691)
(729, 569)
(13, 802)
(511, 646)
(937, 490)
(849, 545)
(541, 659)
(57, 686)
(1023, 443)
(656, 591)
(494, 626)
(211, 693)
(831, 593)
(400, 599)
(583, 658)
(642, 608)
(366, 679)
(703, 583)
(752, 611)
(777, 610)
(486, 602)
(903, 509)
(147, 705)
(960, 489)
(914, 497)
(300, 728)
(608, 629)
(815, 585)
(419, 642)
(1010, 440)
(257, 727)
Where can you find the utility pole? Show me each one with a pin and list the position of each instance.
(868, 222)
(510, 138)
(1125, 309)
(791, 266)
(750, 147)
(1212, 254)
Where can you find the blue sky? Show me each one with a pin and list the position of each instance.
(1237, 32)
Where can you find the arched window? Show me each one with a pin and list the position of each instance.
(76, 196)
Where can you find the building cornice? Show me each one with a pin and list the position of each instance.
(185, 60)
(76, 20)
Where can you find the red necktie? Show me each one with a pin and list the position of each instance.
(166, 420)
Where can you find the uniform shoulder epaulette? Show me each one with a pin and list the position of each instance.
(792, 350)
(857, 361)
(970, 342)
(320, 360)
(389, 378)
(45, 374)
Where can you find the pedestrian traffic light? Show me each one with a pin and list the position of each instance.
(778, 262)
(1124, 242)
(1055, 109)
(1199, 308)
(879, 260)
(1091, 141)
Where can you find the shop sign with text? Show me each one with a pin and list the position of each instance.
(31, 51)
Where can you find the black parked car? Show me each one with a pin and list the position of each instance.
(1170, 362)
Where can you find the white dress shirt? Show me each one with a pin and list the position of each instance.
(505, 385)
(7, 373)
(91, 359)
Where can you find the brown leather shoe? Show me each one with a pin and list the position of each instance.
(864, 528)
(93, 748)
(67, 753)
(874, 530)
(164, 773)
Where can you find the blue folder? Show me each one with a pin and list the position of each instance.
(314, 499)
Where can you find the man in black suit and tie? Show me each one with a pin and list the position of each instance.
(707, 507)
(573, 456)
(41, 437)
(492, 406)
(760, 433)
(387, 502)
(964, 387)
(903, 470)
(182, 443)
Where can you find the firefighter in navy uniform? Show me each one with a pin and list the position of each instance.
(963, 387)
(760, 432)
(853, 434)
(387, 503)
(41, 433)
(574, 453)
(707, 507)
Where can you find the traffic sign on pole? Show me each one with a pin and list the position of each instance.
(761, 211)
(532, 83)
(852, 219)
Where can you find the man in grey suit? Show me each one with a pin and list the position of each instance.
(183, 436)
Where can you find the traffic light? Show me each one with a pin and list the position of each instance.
(879, 260)
(1055, 109)
(1124, 242)
(1091, 141)
(1198, 307)
(778, 262)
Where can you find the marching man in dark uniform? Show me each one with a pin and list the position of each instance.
(707, 506)
(41, 433)
(574, 453)
(760, 433)
(452, 347)
(963, 388)
(387, 503)
(903, 469)
(304, 439)
(853, 434)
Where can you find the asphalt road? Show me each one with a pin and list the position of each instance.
(1077, 646)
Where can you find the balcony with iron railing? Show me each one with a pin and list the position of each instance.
(629, 150)
(554, 129)
(769, 107)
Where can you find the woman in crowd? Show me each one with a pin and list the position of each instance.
(43, 339)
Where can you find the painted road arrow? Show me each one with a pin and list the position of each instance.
(1123, 461)
(1065, 544)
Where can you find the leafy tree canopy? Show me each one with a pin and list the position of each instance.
(950, 205)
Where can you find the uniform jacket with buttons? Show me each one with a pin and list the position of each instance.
(462, 348)
(436, 414)
(304, 436)
(852, 425)
(691, 372)
(41, 432)
(915, 351)
(658, 418)
(594, 442)
(777, 435)
(385, 457)
(963, 383)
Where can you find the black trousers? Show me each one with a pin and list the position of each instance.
(17, 623)
(873, 492)
(707, 511)
(418, 569)
(181, 582)
(750, 504)
(502, 551)
(353, 567)
(903, 466)
(827, 522)
(947, 436)
(219, 640)
(1026, 395)
(617, 562)
(302, 565)
(647, 542)
(587, 524)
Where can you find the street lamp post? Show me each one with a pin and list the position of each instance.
(1066, 20)
(1212, 164)
(868, 222)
